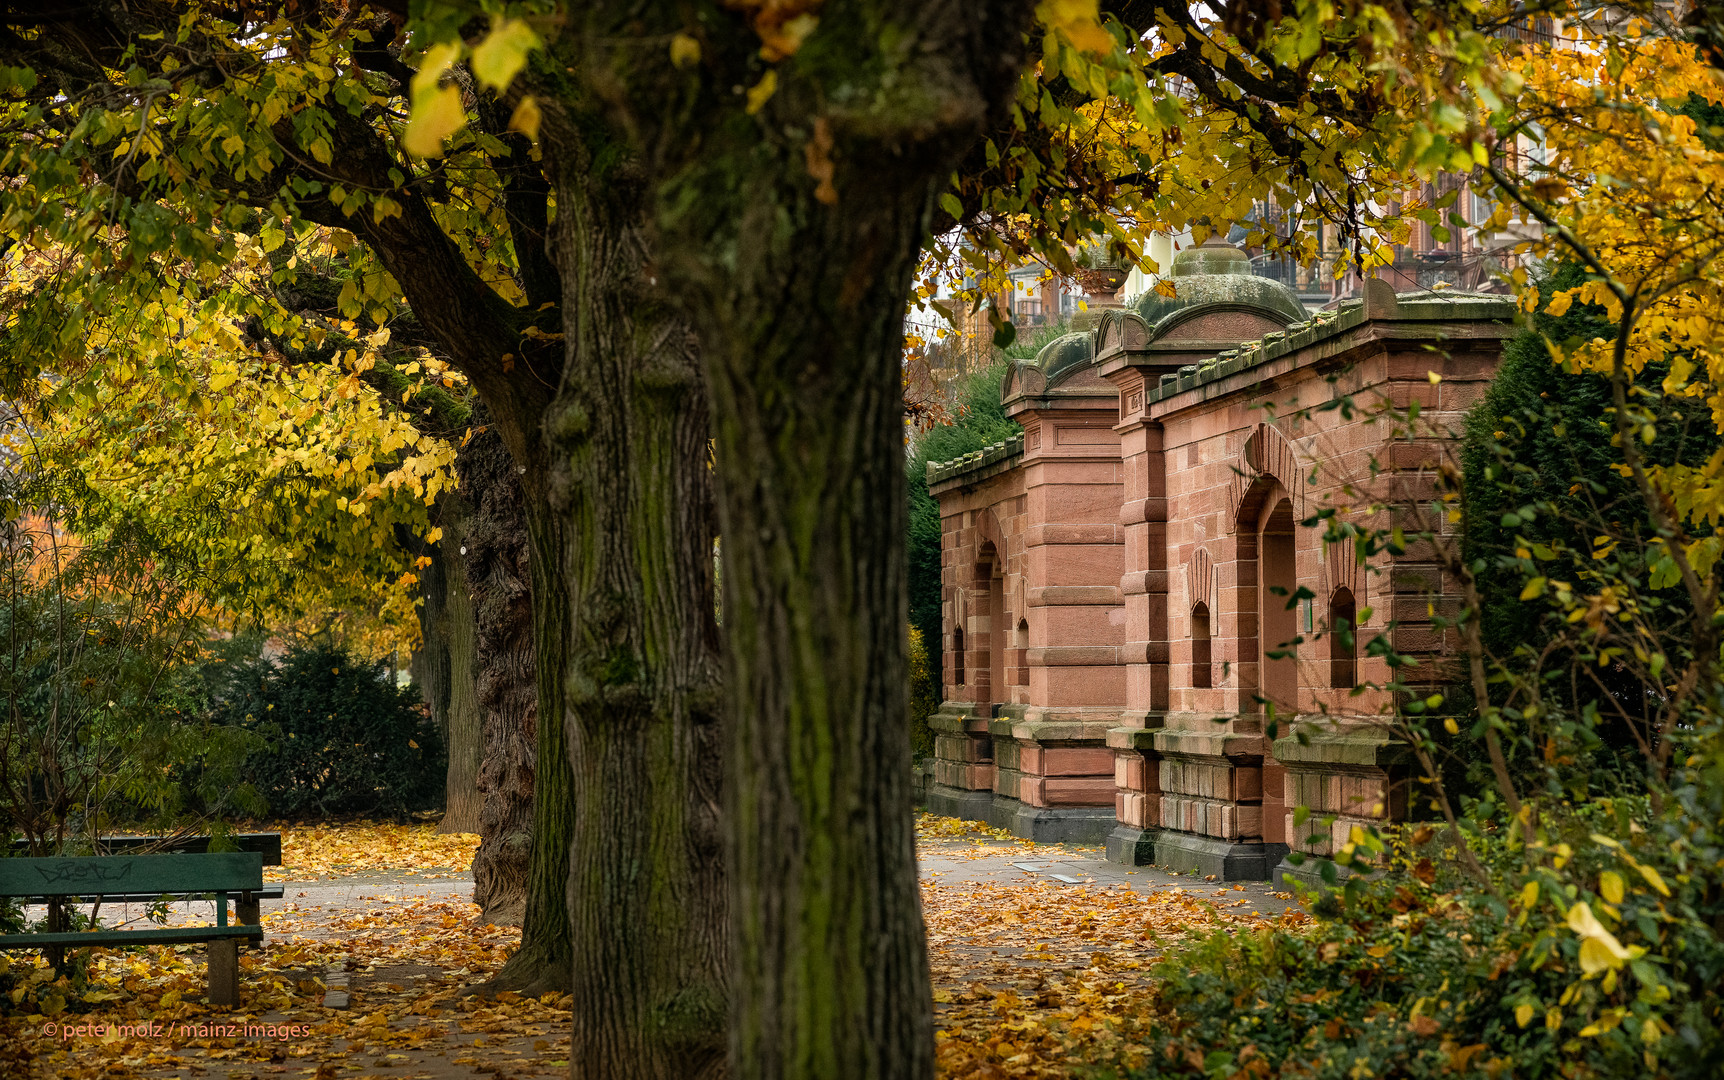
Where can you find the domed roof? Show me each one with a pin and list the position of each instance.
(1215, 274)
(1214, 256)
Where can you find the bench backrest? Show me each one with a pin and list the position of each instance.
(228, 871)
(269, 844)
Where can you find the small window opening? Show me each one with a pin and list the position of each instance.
(958, 655)
(1343, 641)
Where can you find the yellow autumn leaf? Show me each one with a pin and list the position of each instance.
(1610, 886)
(1653, 879)
(1599, 951)
(1523, 1014)
(501, 56)
(760, 92)
(526, 117)
(684, 51)
(436, 109)
(1079, 21)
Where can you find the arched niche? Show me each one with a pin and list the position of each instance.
(1202, 656)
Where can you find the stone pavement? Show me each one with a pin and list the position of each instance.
(949, 862)
(956, 862)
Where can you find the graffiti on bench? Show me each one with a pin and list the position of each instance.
(80, 872)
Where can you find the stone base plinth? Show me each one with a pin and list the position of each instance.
(1052, 824)
(1131, 847)
(1063, 824)
(1226, 860)
(958, 803)
(1346, 776)
(921, 778)
(1003, 811)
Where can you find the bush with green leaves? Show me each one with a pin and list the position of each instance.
(1586, 956)
(96, 633)
(340, 739)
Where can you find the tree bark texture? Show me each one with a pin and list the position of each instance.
(797, 277)
(462, 741)
(430, 662)
(443, 666)
(499, 577)
(629, 479)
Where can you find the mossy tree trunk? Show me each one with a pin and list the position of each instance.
(444, 666)
(498, 574)
(797, 278)
(462, 739)
(609, 431)
(630, 482)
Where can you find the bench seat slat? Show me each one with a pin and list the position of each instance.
(167, 935)
(230, 871)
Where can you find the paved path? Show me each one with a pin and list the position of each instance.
(957, 862)
(948, 862)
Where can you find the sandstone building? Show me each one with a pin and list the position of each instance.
(1135, 613)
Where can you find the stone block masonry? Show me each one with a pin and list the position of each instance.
(1122, 660)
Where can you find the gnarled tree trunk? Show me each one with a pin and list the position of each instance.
(629, 481)
(498, 574)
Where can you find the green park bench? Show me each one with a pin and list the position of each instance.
(239, 873)
(245, 908)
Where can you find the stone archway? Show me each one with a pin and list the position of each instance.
(988, 628)
(1277, 619)
(1267, 498)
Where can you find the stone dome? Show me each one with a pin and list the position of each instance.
(1215, 274)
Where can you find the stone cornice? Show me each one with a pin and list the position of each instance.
(1382, 316)
(977, 465)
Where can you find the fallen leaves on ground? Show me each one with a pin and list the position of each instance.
(312, 852)
(141, 1012)
(934, 827)
(1029, 976)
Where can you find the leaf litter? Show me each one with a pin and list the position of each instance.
(1029, 977)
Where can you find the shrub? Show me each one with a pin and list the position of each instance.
(924, 697)
(1604, 961)
(342, 740)
(95, 635)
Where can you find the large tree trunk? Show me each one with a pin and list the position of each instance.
(462, 739)
(443, 666)
(831, 971)
(498, 574)
(630, 481)
(544, 962)
(790, 230)
(429, 664)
